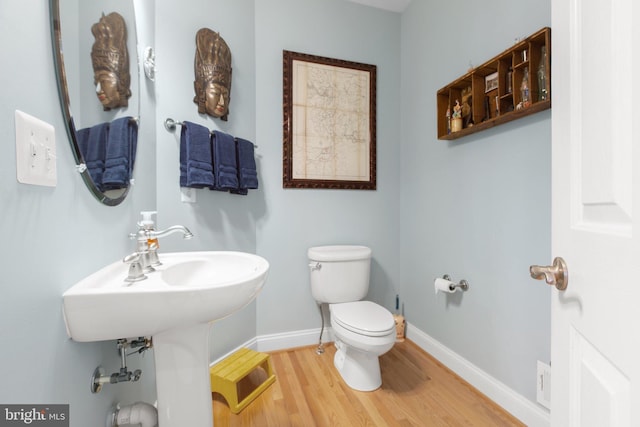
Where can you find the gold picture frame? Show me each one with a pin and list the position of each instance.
(329, 123)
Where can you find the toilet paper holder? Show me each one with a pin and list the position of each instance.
(462, 284)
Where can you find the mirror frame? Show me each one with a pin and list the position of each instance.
(65, 104)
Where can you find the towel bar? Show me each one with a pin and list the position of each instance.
(170, 126)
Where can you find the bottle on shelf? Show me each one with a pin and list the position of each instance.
(524, 89)
(543, 94)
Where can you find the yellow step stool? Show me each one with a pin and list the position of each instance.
(226, 374)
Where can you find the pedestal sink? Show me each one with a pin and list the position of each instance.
(175, 306)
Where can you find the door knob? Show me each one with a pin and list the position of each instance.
(556, 274)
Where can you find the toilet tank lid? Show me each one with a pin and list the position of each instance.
(339, 253)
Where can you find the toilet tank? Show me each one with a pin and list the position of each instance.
(339, 273)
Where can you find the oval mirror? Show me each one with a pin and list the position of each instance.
(98, 84)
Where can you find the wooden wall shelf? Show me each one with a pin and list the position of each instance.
(490, 95)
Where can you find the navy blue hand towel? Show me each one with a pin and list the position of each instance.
(224, 161)
(94, 151)
(196, 167)
(247, 171)
(82, 138)
(120, 153)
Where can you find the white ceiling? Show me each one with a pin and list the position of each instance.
(392, 5)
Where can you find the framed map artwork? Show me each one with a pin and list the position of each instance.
(329, 123)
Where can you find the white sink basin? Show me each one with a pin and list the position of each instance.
(188, 288)
(175, 306)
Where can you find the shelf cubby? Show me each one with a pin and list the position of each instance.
(485, 107)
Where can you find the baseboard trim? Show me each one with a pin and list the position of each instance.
(282, 341)
(251, 344)
(514, 403)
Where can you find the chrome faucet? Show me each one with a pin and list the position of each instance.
(145, 257)
(147, 244)
(186, 234)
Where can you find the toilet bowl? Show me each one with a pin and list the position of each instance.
(363, 330)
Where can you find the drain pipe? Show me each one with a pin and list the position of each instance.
(140, 413)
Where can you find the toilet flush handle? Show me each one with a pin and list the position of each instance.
(315, 266)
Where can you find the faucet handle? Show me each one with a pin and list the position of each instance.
(136, 272)
(131, 258)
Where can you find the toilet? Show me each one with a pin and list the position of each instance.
(363, 330)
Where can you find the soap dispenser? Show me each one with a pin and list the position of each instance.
(147, 222)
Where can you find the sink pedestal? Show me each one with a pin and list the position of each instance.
(182, 377)
(175, 306)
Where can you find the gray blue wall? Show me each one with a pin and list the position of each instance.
(477, 208)
(52, 237)
(296, 219)
(219, 221)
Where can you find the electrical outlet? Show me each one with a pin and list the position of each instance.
(187, 195)
(35, 151)
(543, 389)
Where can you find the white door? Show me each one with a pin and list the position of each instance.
(595, 336)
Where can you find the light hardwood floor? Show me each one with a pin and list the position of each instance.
(416, 390)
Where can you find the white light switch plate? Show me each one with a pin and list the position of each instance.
(35, 151)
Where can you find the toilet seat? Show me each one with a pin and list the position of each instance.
(364, 318)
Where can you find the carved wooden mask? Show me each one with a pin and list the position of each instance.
(212, 69)
(110, 59)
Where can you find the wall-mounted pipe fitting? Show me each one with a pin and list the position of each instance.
(139, 413)
(98, 379)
